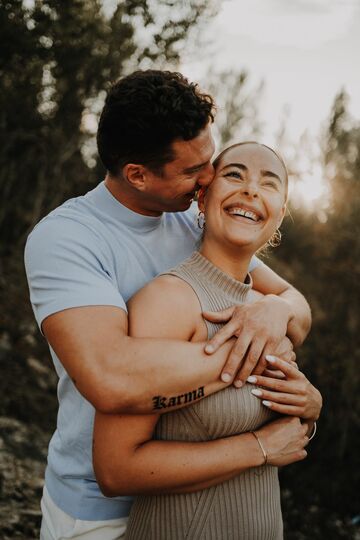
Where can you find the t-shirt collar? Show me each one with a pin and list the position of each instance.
(105, 201)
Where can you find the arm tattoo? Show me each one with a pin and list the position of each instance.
(162, 402)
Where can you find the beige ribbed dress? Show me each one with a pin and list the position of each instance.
(246, 507)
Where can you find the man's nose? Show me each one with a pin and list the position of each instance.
(206, 176)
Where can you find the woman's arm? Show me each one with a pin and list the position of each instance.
(128, 462)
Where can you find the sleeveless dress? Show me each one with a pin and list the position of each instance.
(246, 507)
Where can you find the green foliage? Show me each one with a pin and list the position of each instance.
(237, 106)
(323, 260)
(57, 58)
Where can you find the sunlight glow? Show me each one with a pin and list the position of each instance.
(310, 189)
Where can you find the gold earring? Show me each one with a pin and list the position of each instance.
(275, 240)
(201, 220)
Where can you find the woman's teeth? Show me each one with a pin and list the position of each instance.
(243, 213)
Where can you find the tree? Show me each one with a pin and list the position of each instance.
(57, 58)
(237, 106)
(322, 259)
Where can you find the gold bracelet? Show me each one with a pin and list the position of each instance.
(261, 447)
(314, 432)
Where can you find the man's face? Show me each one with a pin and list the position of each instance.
(190, 169)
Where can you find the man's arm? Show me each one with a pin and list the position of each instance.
(118, 373)
(295, 306)
(260, 326)
(83, 315)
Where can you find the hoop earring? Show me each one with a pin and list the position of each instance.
(201, 220)
(275, 240)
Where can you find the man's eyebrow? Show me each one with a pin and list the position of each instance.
(195, 167)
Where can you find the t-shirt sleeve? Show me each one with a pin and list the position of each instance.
(67, 267)
(255, 263)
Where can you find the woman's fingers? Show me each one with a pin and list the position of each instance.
(274, 374)
(273, 383)
(290, 369)
(279, 397)
(289, 410)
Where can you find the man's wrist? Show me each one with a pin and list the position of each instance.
(281, 303)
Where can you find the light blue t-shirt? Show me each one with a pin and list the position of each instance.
(92, 250)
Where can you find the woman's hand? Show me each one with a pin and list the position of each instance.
(294, 395)
(284, 441)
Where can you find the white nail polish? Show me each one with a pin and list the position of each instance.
(238, 384)
(266, 403)
(226, 377)
(251, 379)
(256, 392)
(270, 358)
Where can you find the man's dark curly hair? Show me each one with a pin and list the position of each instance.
(144, 113)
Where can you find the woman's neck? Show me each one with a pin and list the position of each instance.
(234, 261)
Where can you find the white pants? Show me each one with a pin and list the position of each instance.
(57, 525)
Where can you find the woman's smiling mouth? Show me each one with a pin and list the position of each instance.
(244, 212)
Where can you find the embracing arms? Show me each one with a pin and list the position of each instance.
(172, 466)
(118, 373)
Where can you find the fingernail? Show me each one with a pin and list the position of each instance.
(226, 377)
(270, 358)
(209, 349)
(256, 392)
(266, 403)
(238, 383)
(252, 379)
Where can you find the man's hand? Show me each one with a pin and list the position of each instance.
(260, 328)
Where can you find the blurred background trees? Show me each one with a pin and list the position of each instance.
(56, 61)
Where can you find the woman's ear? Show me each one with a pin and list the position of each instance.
(201, 198)
(281, 217)
(135, 175)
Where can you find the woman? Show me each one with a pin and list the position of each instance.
(211, 470)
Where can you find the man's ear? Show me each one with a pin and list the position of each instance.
(135, 175)
(201, 198)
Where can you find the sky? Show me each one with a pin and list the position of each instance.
(304, 50)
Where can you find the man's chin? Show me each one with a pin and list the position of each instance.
(180, 206)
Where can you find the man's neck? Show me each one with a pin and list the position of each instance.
(128, 197)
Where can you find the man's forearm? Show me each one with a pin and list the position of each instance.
(152, 375)
(121, 374)
(300, 318)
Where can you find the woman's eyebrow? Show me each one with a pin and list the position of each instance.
(240, 166)
(264, 172)
(270, 173)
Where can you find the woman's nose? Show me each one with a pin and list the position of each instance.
(250, 189)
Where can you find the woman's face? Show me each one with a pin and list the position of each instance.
(245, 202)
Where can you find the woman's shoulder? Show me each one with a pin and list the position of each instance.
(166, 307)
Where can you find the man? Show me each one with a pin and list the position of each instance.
(90, 255)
